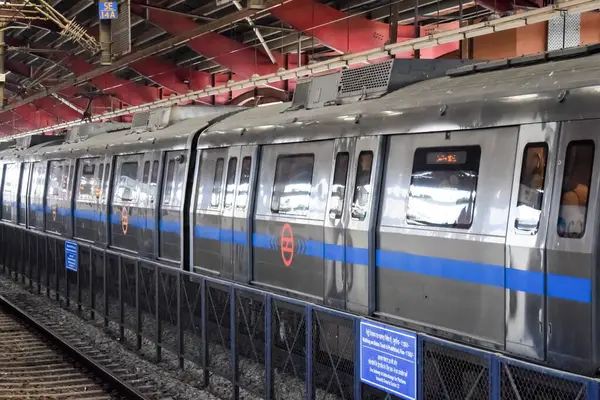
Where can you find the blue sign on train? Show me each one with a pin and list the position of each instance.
(108, 10)
(388, 359)
(71, 255)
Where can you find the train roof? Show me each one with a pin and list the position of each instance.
(166, 128)
(540, 88)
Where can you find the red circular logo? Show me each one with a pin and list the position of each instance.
(286, 243)
(124, 220)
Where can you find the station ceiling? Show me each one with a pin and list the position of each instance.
(44, 52)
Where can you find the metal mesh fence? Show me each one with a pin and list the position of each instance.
(520, 383)
(218, 332)
(333, 356)
(251, 341)
(247, 342)
(449, 373)
(191, 319)
(289, 350)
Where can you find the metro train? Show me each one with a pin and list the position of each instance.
(463, 203)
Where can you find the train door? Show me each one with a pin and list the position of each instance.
(87, 212)
(336, 223)
(359, 237)
(242, 214)
(148, 204)
(572, 246)
(526, 240)
(126, 224)
(173, 188)
(226, 222)
(291, 207)
(209, 207)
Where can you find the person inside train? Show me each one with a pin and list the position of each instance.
(575, 191)
(363, 185)
(531, 189)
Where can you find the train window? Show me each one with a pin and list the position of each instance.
(154, 176)
(100, 174)
(126, 189)
(230, 182)
(242, 194)
(169, 183)
(443, 186)
(146, 172)
(11, 181)
(105, 176)
(173, 181)
(23, 192)
(577, 178)
(87, 182)
(38, 181)
(292, 185)
(55, 180)
(362, 186)
(531, 187)
(215, 198)
(338, 189)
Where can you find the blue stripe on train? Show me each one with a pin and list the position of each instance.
(559, 286)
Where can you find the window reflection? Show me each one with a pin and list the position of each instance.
(126, 189)
(87, 182)
(442, 189)
(338, 189)
(230, 182)
(531, 187)
(293, 183)
(215, 198)
(242, 195)
(575, 189)
(362, 187)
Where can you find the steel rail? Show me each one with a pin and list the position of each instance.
(108, 377)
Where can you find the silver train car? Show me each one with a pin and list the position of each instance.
(463, 204)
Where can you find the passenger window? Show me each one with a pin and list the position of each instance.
(362, 187)
(292, 185)
(215, 199)
(126, 189)
(100, 175)
(443, 186)
(87, 181)
(11, 180)
(154, 177)
(242, 195)
(38, 180)
(531, 187)
(105, 180)
(23, 192)
(146, 172)
(169, 183)
(230, 182)
(575, 189)
(55, 180)
(338, 189)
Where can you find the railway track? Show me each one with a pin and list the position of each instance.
(35, 363)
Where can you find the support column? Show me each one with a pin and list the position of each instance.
(105, 42)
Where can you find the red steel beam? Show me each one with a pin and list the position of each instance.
(233, 55)
(346, 34)
(128, 92)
